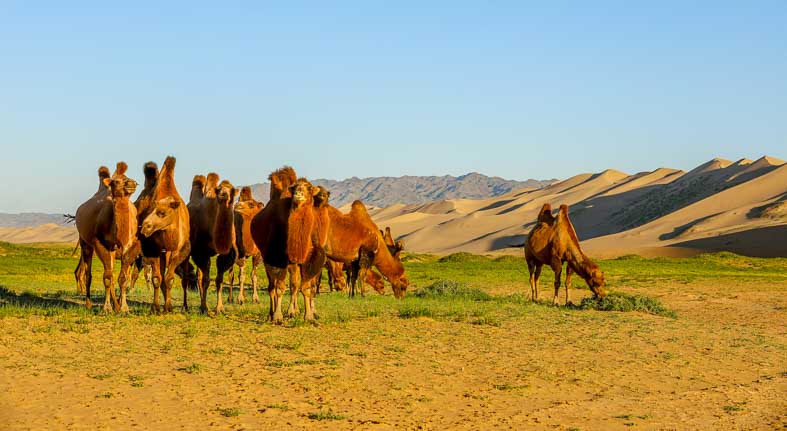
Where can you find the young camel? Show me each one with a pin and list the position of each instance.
(107, 224)
(212, 232)
(164, 232)
(290, 236)
(553, 241)
(245, 210)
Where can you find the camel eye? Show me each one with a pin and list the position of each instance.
(160, 213)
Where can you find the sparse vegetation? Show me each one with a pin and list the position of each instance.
(325, 416)
(618, 301)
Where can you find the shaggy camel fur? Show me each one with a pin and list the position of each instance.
(164, 232)
(553, 241)
(245, 210)
(107, 223)
(290, 235)
(212, 232)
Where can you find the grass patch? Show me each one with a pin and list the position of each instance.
(618, 301)
(452, 289)
(463, 257)
(284, 407)
(415, 311)
(193, 368)
(229, 412)
(325, 416)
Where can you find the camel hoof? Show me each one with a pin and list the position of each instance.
(256, 299)
(240, 300)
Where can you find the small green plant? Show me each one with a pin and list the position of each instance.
(618, 301)
(463, 257)
(452, 289)
(325, 416)
(278, 406)
(136, 380)
(229, 412)
(193, 368)
(412, 312)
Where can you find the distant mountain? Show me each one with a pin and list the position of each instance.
(386, 191)
(30, 219)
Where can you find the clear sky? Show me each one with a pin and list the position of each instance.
(515, 89)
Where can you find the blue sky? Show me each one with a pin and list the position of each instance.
(339, 89)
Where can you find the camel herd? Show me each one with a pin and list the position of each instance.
(297, 234)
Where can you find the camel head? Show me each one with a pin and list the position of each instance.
(303, 193)
(322, 196)
(225, 194)
(120, 186)
(596, 281)
(164, 213)
(400, 286)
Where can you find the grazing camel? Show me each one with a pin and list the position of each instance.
(107, 224)
(290, 235)
(164, 232)
(245, 210)
(355, 240)
(553, 241)
(212, 232)
(337, 280)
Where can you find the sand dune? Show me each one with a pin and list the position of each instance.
(44, 233)
(663, 212)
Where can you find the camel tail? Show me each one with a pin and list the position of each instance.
(75, 249)
(69, 218)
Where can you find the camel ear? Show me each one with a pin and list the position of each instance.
(315, 191)
(106, 181)
(174, 204)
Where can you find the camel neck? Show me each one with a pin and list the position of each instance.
(223, 228)
(125, 220)
(388, 266)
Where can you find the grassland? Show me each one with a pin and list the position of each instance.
(466, 349)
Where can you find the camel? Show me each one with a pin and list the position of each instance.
(212, 232)
(394, 247)
(338, 281)
(355, 241)
(107, 224)
(245, 210)
(290, 235)
(164, 231)
(553, 241)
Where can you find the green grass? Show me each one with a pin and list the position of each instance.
(325, 416)
(38, 280)
(229, 412)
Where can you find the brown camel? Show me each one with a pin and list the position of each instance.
(355, 241)
(212, 232)
(164, 231)
(107, 224)
(245, 210)
(290, 235)
(553, 241)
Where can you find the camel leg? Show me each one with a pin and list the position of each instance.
(539, 267)
(276, 288)
(184, 283)
(295, 286)
(241, 280)
(224, 262)
(353, 270)
(86, 275)
(308, 291)
(155, 278)
(557, 267)
(203, 270)
(531, 268)
(255, 262)
(108, 261)
(568, 283)
(127, 261)
(79, 276)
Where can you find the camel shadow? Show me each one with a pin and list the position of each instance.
(52, 300)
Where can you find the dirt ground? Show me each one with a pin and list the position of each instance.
(720, 365)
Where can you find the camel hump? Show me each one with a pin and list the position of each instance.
(245, 194)
(150, 170)
(359, 208)
(169, 163)
(199, 181)
(121, 168)
(281, 180)
(565, 222)
(545, 215)
(213, 181)
(103, 172)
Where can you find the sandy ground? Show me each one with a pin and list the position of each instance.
(720, 365)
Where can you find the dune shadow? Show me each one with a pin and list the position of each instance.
(761, 242)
